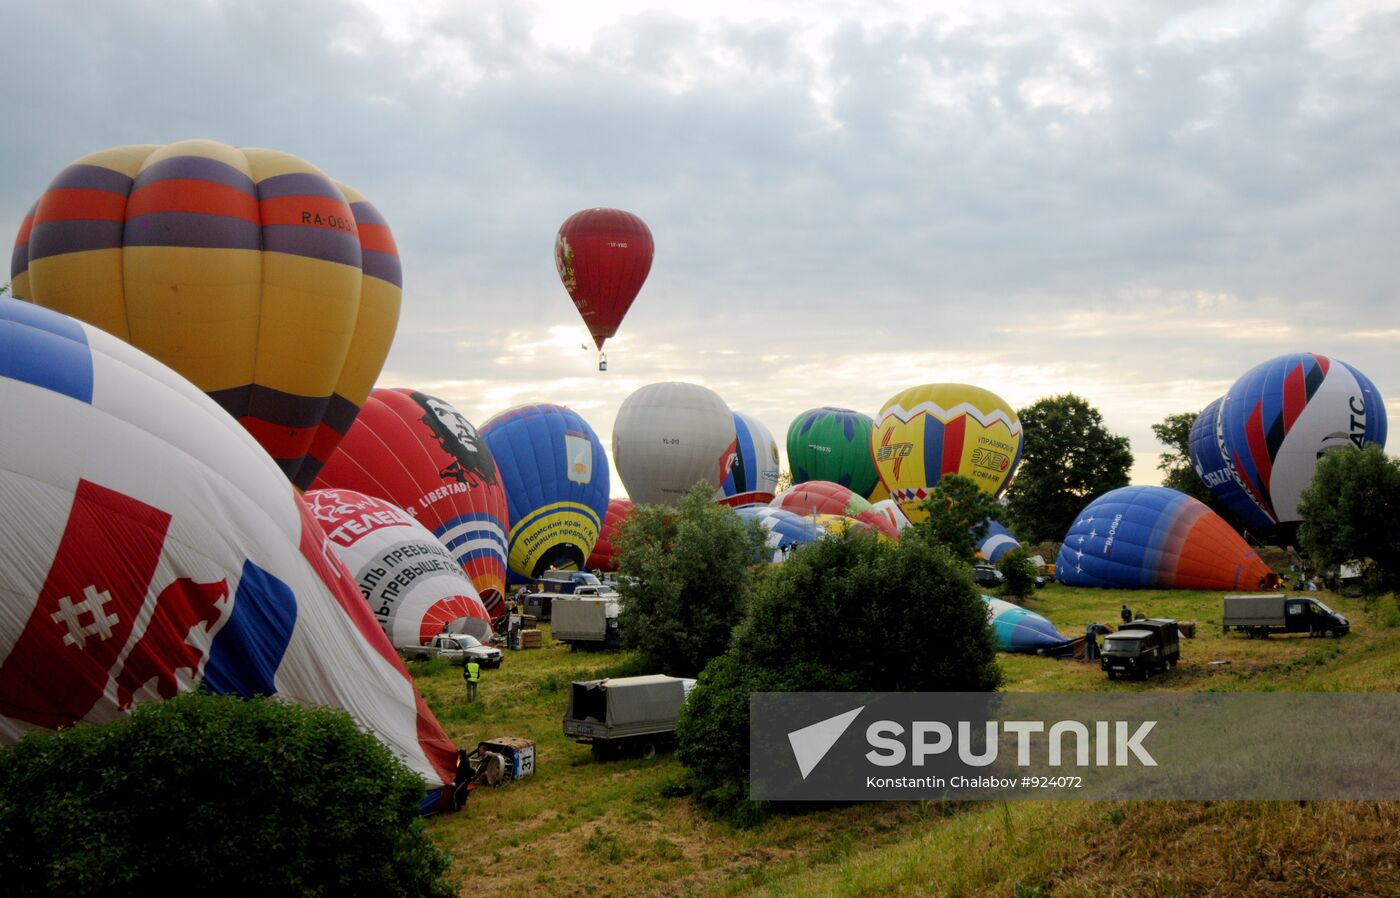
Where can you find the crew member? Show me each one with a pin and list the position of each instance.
(472, 674)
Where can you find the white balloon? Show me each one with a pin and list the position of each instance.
(668, 437)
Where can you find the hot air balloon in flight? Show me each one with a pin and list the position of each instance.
(787, 531)
(669, 436)
(833, 444)
(1279, 418)
(603, 257)
(412, 583)
(1019, 630)
(152, 547)
(996, 542)
(421, 454)
(556, 478)
(269, 286)
(1153, 537)
(824, 497)
(936, 429)
(606, 551)
(1214, 468)
(751, 475)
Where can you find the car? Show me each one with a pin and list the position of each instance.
(986, 576)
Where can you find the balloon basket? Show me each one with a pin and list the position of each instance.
(602, 361)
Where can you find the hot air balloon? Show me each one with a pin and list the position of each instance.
(833, 444)
(421, 454)
(752, 473)
(556, 478)
(669, 436)
(603, 257)
(272, 288)
(926, 432)
(1019, 630)
(606, 551)
(1214, 468)
(152, 547)
(996, 542)
(1153, 537)
(413, 585)
(890, 509)
(1277, 420)
(787, 531)
(823, 497)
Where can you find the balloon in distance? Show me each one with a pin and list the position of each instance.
(936, 429)
(751, 474)
(833, 444)
(556, 480)
(413, 585)
(607, 551)
(1153, 537)
(603, 257)
(416, 451)
(670, 436)
(272, 288)
(786, 531)
(153, 547)
(823, 497)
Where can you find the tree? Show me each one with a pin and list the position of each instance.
(784, 483)
(1068, 457)
(1174, 432)
(686, 579)
(1018, 573)
(1351, 512)
(226, 796)
(958, 513)
(848, 613)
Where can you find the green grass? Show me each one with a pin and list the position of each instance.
(630, 827)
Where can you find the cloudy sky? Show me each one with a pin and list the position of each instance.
(1131, 202)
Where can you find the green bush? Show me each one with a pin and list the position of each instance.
(218, 795)
(845, 614)
(1018, 573)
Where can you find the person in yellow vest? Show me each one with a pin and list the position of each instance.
(472, 674)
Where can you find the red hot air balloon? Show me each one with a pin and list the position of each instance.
(603, 257)
(606, 552)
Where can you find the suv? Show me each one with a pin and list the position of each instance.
(986, 576)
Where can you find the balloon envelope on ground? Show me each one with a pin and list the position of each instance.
(823, 497)
(606, 551)
(421, 454)
(751, 474)
(669, 437)
(272, 288)
(890, 509)
(556, 480)
(833, 444)
(413, 585)
(997, 542)
(1152, 537)
(1019, 630)
(786, 531)
(153, 547)
(936, 429)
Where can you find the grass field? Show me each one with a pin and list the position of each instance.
(584, 827)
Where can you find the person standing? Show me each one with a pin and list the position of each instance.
(472, 674)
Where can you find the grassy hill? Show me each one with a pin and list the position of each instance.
(584, 827)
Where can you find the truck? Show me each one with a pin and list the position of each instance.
(586, 621)
(551, 585)
(1141, 648)
(456, 648)
(1262, 614)
(619, 714)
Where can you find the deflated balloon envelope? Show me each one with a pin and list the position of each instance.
(1153, 537)
(1020, 630)
(997, 541)
(412, 583)
(785, 529)
(822, 497)
(153, 547)
(272, 288)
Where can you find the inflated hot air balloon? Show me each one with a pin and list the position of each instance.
(1019, 630)
(413, 585)
(606, 551)
(823, 497)
(670, 436)
(421, 454)
(556, 478)
(936, 429)
(787, 531)
(1214, 468)
(1278, 419)
(152, 547)
(833, 444)
(996, 542)
(752, 472)
(890, 509)
(603, 257)
(269, 286)
(1153, 537)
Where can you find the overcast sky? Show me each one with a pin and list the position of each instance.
(1134, 202)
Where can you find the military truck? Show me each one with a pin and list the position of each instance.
(1141, 648)
(622, 714)
(1278, 612)
(586, 621)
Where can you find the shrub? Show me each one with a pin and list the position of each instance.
(1018, 572)
(218, 794)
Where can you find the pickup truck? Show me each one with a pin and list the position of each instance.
(457, 648)
(1278, 612)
